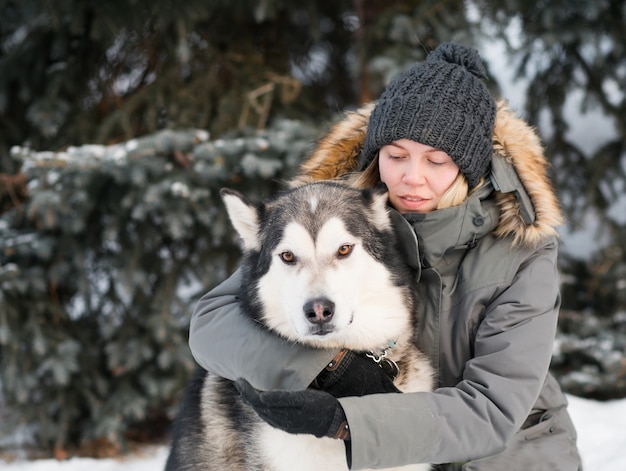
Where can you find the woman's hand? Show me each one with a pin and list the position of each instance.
(309, 411)
(354, 374)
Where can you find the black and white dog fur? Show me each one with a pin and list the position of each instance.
(321, 244)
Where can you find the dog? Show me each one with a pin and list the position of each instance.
(322, 266)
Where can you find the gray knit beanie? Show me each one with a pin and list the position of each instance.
(443, 103)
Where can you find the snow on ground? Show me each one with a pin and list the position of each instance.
(150, 459)
(600, 426)
(601, 437)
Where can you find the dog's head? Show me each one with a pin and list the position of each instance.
(321, 265)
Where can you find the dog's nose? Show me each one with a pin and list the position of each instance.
(319, 310)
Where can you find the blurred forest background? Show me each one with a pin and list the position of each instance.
(120, 121)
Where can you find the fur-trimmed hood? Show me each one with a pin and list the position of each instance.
(528, 207)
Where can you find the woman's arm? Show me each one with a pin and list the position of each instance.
(224, 341)
(500, 384)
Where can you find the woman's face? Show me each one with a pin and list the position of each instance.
(416, 175)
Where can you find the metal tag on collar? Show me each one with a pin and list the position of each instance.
(387, 364)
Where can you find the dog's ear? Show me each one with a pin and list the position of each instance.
(244, 215)
(377, 199)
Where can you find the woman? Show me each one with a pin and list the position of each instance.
(469, 180)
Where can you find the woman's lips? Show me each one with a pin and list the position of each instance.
(412, 201)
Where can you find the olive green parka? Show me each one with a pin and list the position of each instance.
(487, 316)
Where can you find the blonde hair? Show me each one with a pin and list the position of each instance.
(454, 196)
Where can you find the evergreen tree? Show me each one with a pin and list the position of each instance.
(79, 71)
(568, 50)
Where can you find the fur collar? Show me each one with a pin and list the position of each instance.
(514, 142)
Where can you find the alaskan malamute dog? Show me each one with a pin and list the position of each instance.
(322, 266)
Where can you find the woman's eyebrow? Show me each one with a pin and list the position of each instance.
(433, 150)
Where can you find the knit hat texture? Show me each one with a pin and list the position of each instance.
(443, 103)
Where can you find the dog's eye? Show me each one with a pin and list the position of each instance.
(287, 257)
(344, 250)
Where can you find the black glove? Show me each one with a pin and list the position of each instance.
(353, 374)
(309, 411)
